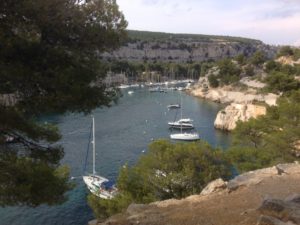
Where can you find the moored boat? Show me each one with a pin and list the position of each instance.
(98, 185)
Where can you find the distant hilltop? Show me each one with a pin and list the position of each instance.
(157, 46)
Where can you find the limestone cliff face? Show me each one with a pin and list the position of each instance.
(185, 50)
(226, 119)
(252, 198)
(229, 96)
(288, 60)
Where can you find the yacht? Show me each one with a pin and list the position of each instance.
(98, 185)
(181, 124)
(185, 136)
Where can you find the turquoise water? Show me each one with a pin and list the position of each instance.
(123, 133)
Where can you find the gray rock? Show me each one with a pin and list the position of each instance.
(280, 209)
(214, 186)
(194, 50)
(268, 220)
(293, 198)
(251, 178)
(93, 222)
(290, 168)
(135, 208)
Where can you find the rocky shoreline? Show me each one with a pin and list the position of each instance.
(243, 105)
(227, 119)
(267, 196)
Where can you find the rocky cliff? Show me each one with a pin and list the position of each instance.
(226, 119)
(263, 197)
(153, 46)
(241, 106)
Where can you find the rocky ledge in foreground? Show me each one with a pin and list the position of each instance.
(262, 197)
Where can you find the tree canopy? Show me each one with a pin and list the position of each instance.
(166, 171)
(49, 62)
(270, 139)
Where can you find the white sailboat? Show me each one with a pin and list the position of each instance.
(185, 136)
(183, 124)
(98, 185)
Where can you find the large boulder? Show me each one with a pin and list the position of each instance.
(226, 119)
(278, 211)
(214, 186)
(251, 178)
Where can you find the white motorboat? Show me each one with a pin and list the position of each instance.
(183, 123)
(130, 92)
(98, 185)
(185, 120)
(185, 136)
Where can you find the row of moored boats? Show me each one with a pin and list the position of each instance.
(104, 188)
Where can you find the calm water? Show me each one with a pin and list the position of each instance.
(122, 135)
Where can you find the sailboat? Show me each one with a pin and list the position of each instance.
(98, 185)
(183, 124)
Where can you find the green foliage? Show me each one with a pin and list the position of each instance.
(249, 70)
(281, 82)
(205, 67)
(258, 58)
(229, 72)
(270, 139)
(150, 36)
(289, 51)
(31, 180)
(213, 81)
(104, 208)
(272, 66)
(286, 51)
(241, 59)
(296, 55)
(166, 171)
(48, 63)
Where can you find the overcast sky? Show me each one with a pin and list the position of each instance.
(272, 21)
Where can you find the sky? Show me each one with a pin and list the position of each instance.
(275, 22)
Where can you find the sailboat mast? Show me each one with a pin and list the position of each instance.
(181, 111)
(94, 146)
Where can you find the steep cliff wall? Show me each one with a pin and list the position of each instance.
(152, 46)
(226, 96)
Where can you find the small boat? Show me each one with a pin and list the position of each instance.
(98, 185)
(185, 120)
(156, 89)
(185, 136)
(130, 92)
(173, 106)
(182, 124)
(124, 86)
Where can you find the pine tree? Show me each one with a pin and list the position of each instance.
(49, 62)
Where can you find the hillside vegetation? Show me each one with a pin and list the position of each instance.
(144, 46)
(161, 36)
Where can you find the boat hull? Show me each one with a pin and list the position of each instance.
(95, 185)
(185, 136)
